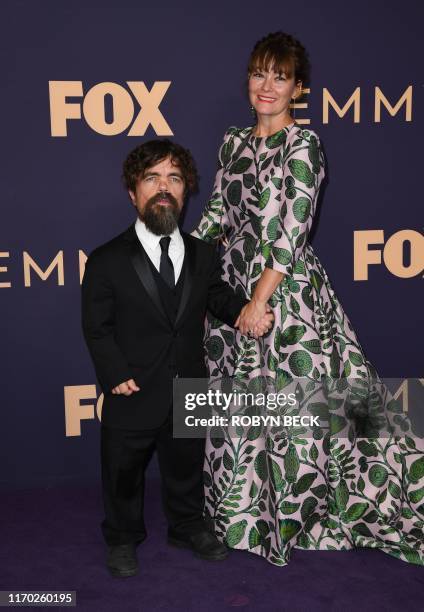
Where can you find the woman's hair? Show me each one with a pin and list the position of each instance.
(151, 153)
(282, 53)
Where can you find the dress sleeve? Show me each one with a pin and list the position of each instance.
(214, 221)
(303, 171)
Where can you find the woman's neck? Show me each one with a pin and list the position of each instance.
(266, 125)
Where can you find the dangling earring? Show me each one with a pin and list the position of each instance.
(252, 110)
(294, 109)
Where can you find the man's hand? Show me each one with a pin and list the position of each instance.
(126, 388)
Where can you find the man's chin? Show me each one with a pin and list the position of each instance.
(160, 227)
(161, 231)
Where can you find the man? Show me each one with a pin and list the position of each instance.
(144, 299)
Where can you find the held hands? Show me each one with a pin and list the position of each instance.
(255, 319)
(126, 388)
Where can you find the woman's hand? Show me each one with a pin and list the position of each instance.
(251, 315)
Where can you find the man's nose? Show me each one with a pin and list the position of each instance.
(163, 184)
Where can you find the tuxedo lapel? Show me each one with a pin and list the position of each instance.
(142, 267)
(138, 258)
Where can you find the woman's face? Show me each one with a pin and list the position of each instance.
(270, 92)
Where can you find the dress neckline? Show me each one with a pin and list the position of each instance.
(286, 128)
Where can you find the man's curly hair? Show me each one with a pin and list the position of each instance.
(151, 153)
(282, 52)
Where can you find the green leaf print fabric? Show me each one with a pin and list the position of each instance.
(270, 493)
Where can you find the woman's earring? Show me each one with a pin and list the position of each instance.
(294, 108)
(252, 110)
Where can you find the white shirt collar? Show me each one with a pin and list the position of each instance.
(150, 239)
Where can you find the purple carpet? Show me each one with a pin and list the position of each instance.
(51, 541)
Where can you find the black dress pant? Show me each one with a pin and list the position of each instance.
(125, 455)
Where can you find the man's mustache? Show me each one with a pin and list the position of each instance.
(163, 195)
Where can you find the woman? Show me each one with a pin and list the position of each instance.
(270, 493)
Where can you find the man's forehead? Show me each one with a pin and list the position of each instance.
(168, 163)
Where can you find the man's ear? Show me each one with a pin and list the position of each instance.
(132, 196)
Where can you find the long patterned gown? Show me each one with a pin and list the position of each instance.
(270, 493)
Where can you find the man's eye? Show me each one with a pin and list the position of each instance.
(176, 179)
(281, 77)
(149, 179)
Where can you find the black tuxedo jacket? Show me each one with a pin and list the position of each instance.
(129, 334)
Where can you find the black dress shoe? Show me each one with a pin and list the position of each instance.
(204, 545)
(122, 560)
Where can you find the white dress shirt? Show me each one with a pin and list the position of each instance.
(150, 243)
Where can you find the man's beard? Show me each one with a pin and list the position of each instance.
(160, 219)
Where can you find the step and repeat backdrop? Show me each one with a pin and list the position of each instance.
(85, 82)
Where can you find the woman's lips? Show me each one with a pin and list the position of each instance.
(266, 99)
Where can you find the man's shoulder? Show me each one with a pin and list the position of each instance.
(200, 247)
(112, 247)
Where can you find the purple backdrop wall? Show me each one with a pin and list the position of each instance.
(63, 193)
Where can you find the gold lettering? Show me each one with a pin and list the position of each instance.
(82, 258)
(393, 253)
(149, 114)
(4, 269)
(60, 110)
(29, 264)
(328, 100)
(94, 109)
(362, 256)
(405, 99)
(75, 412)
(99, 406)
(404, 392)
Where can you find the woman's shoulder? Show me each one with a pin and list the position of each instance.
(234, 132)
(299, 136)
(233, 137)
